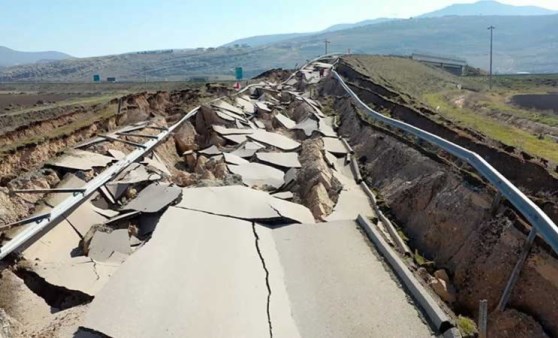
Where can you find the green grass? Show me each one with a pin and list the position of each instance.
(495, 129)
(466, 326)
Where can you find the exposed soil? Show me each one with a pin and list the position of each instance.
(450, 218)
(537, 101)
(530, 174)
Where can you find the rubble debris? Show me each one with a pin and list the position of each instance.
(81, 160)
(257, 174)
(154, 198)
(237, 139)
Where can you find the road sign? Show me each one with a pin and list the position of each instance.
(96, 78)
(238, 72)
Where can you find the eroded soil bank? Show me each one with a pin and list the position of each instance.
(452, 220)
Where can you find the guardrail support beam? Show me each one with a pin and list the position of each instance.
(517, 269)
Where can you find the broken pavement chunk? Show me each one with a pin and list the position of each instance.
(234, 159)
(227, 106)
(285, 121)
(256, 174)
(273, 139)
(231, 131)
(235, 138)
(309, 126)
(231, 279)
(334, 146)
(246, 105)
(154, 198)
(104, 244)
(81, 160)
(243, 202)
(211, 151)
(117, 154)
(284, 160)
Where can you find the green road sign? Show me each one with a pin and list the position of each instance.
(238, 72)
(96, 78)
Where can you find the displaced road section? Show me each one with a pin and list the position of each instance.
(241, 225)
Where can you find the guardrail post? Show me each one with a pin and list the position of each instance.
(517, 269)
(483, 318)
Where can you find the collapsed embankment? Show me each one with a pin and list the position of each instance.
(532, 175)
(452, 220)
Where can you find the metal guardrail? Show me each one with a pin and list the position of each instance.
(60, 210)
(538, 219)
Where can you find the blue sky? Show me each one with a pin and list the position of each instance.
(100, 27)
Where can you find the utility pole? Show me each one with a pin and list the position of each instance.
(491, 28)
(326, 42)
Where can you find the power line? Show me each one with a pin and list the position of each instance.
(491, 28)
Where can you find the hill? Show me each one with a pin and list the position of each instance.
(521, 44)
(261, 40)
(10, 57)
(488, 7)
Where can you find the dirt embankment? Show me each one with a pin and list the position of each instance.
(450, 219)
(530, 174)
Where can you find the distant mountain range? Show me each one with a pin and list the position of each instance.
(260, 40)
(488, 7)
(522, 43)
(484, 7)
(10, 57)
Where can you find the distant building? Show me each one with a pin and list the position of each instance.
(453, 65)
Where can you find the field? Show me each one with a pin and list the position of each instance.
(468, 102)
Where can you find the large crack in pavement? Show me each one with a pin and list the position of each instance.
(256, 240)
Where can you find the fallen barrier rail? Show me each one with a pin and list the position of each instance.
(538, 219)
(44, 221)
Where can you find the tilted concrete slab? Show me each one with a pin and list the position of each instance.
(117, 154)
(285, 195)
(234, 159)
(273, 139)
(242, 202)
(232, 131)
(352, 200)
(285, 121)
(225, 116)
(154, 198)
(237, 139)
(284, 160)
(201, 277)
(156, 165)
(336, 285)
(257, 174)
(56, 245)
(325, 128)
(308, 126)
(104, 244)
(334, 146)
(227, 106)
(246, 104)
(78, 273)
(81, 160)
(211, 151)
